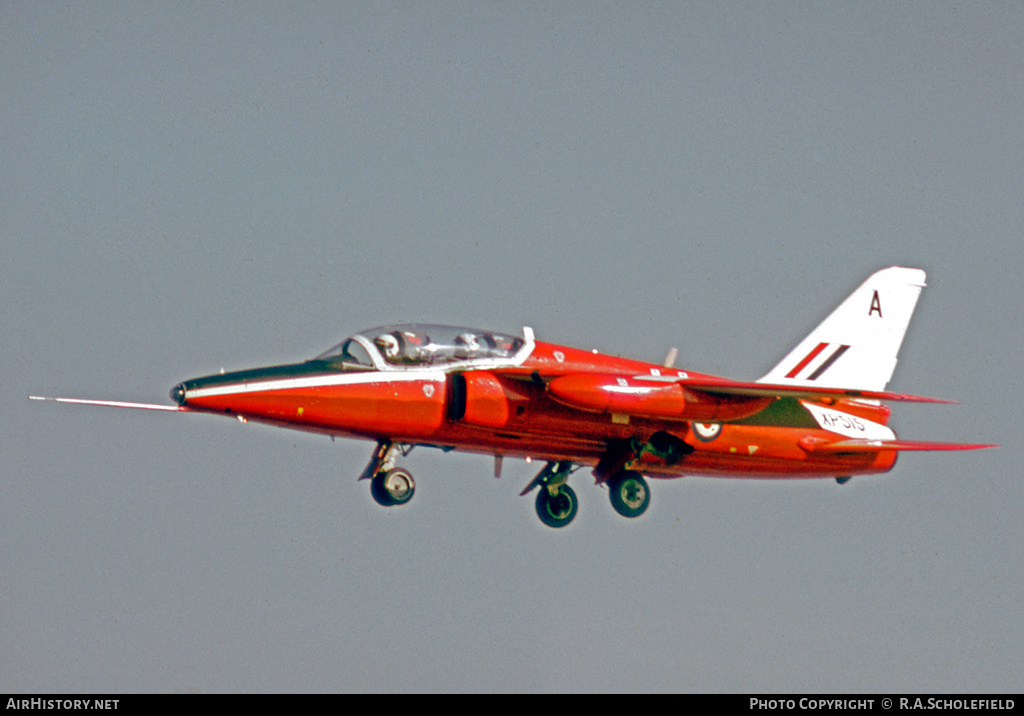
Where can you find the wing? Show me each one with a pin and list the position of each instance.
(770, 390)
(691, 397)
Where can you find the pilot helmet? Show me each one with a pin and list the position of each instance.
(389, 345)
(469, 340)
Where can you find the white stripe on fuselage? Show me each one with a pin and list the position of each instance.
(318, 381)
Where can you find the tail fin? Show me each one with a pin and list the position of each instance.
(856, 346)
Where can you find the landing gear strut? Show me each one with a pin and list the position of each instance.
(389, 485)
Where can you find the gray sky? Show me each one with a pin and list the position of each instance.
(191, 186)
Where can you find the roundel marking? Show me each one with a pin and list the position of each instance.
(428, 390)
(707, 431)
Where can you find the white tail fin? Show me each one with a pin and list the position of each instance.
(856, 346)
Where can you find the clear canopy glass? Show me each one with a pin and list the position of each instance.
(422, 345)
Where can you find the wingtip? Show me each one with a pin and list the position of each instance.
(907, 397)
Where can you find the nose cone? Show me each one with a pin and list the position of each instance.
(178, 394)
(245, 389)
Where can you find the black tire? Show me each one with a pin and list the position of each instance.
(629, 493)
(394, 487)
(559, 509)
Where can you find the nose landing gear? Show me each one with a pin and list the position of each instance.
(389, 485)
(394, 487)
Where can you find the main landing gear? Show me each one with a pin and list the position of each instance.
(389, 485)
(629, 493)
(627, 488)
(557, 504)
(556, 501)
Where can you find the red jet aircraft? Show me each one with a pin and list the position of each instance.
(816, 414)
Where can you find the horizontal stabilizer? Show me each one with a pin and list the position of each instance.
(821, 445)
(113, 404)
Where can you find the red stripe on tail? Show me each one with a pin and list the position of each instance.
(807, 359)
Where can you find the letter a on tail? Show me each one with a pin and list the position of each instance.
(856, 345)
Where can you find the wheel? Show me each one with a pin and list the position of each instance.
(556, 510)
(843, 480)
(629, 494)
(394, 487)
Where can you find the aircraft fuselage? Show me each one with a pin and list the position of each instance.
(529, 410)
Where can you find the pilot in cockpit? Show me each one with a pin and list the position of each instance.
(415, 346)
(390, 347)
(408, 347)
(466, 346)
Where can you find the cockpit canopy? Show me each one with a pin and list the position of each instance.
(424, 345)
